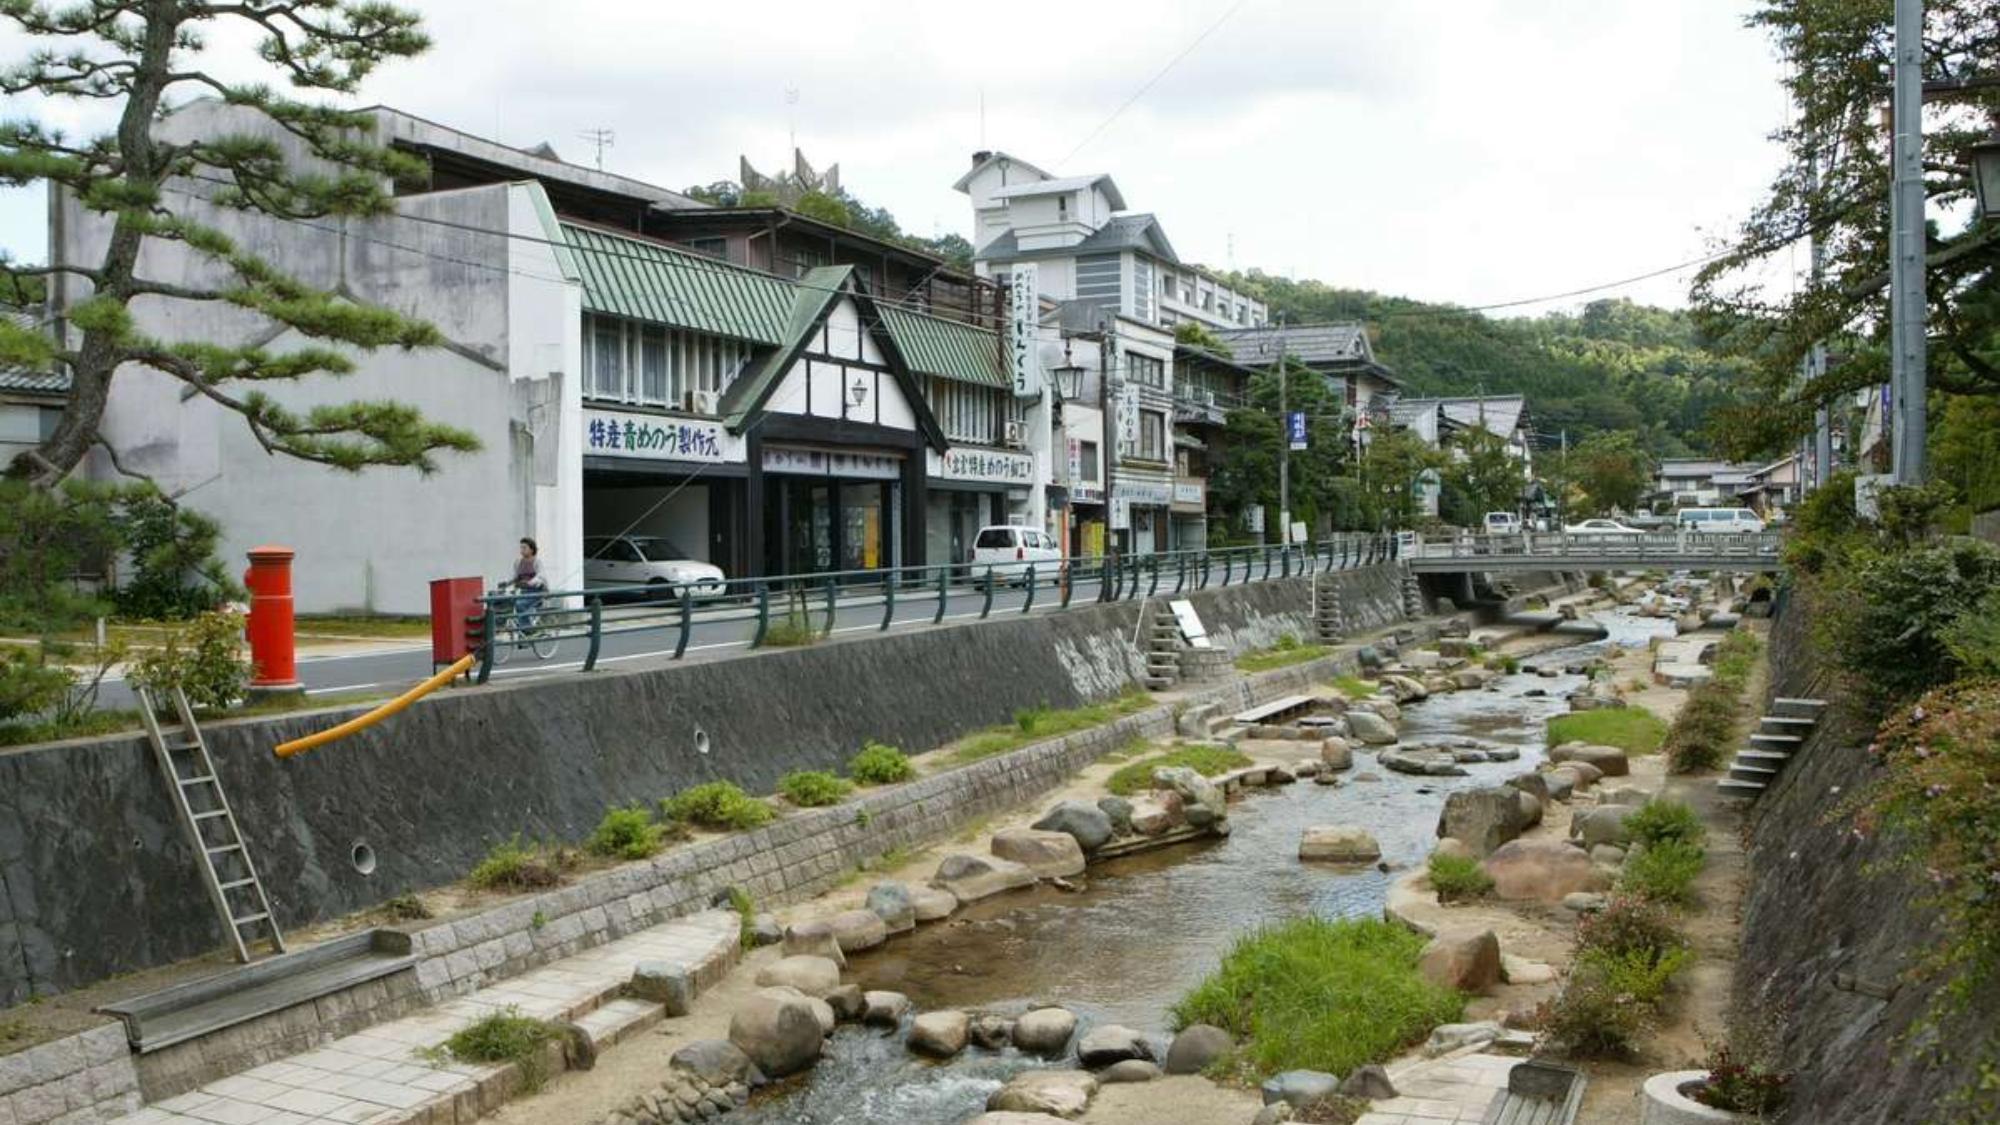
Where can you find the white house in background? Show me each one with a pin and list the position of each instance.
(1087, 248)
(1699, 482)
(1341, 352)
(30, 401)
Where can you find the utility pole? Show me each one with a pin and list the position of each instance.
(1906, 250)
(1284, 449)
(1107, 348)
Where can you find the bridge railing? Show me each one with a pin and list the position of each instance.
(510, 623)
(1646, 548)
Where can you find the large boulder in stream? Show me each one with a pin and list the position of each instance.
(1338, 843)
(1044, 1031)
(891, 903)
(940, 1034)
(1483, 818)
(1202, 802)
(973, 877)
(1371, 728)
(814, 976)
(1089, 824)
(1051, 855)
(1421, 762)
(1111, 1043)
(781, 1034)
(1196, 1046)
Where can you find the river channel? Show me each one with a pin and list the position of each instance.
(1144, 930)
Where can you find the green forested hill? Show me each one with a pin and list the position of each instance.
(1613, 366)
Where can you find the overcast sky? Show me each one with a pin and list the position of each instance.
(1473, 151)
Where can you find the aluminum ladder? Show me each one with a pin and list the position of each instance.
(220, 853)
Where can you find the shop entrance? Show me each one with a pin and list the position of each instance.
(824, 525)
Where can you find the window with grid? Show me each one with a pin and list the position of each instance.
(967, 413)
(1147, 370)
(1152, 435)
(626, 361)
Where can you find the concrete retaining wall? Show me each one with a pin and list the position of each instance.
(97, 879)
(1832, 922)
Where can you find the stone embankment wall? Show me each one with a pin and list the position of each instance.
(95, 877)
(1831, 924)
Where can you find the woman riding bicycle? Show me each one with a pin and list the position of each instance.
(528, 580)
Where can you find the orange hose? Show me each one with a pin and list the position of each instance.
(363, 722)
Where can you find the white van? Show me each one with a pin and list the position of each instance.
(1732, 521)
(1009, 550)
(1503, 523)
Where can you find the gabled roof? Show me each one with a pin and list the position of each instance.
(651, 281)
(1497, 414)
(946, 349)
(1309, 344)
(1122, 232)
(1066, 184)
(990, 158)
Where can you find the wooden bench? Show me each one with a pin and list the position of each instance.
(1538, 1093)
(1274, 712)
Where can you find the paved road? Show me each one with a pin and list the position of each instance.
(640, 632)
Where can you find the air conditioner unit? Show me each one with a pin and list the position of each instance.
(1016, 434)
(701, 402)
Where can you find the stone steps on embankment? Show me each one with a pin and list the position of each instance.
(381, 1076)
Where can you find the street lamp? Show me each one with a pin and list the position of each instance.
(1069, 381)
(1986, 175)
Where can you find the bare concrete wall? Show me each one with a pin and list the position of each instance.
(97, 879)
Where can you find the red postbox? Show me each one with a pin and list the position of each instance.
(453, 602)
(269, 580)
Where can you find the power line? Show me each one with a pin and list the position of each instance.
(1151, 82)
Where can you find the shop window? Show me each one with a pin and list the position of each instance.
(1087, 453)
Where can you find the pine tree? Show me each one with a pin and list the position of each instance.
(136, 55)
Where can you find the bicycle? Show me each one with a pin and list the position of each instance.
(519, 625)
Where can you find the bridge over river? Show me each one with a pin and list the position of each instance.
(1672, 550)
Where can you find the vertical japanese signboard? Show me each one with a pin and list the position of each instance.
(1023, 357)
(1295, 430)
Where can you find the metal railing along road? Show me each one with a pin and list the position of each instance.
(1557, 549)
(815, 601)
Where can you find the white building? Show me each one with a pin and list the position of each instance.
(616, 382)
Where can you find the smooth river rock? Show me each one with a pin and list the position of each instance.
(993, 1032)
(1202, 802)
(931, 904)
(1119, 811)
(1483, 818)
(1338, 843)
(813, 939)
(1540, 871)
(973, 877)
(1044, 1031)
(1090, 825)
(814, 976)
(1196, 1046)
(821, 1010)
(1051, 855)
(1608, 760)
(1131, 1070)
(1602, 825)
(1060, 1093)
(940, 1035)
(1299, 1088)
(1371, 728)
(856, 930)
(883, 1008)
(1463, 960)
(780, 1034)
(891, 903)
(1336, 755)
(1101, 1046)
(1155, 814)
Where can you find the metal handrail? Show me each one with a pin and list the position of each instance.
(590, 615)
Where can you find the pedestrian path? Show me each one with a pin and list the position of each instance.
(380, 1077)
(1453, 1090)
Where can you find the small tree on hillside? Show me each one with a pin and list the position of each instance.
(1612, 472)
(133, 55)
(1484, 476)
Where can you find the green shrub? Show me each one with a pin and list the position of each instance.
(746, 916)
(506, 1036)
(1750, 1089)
(1640, 975)
(1206, 760)
(1663, 872)
(1322, 995)
(1590, 1019)
(1889, 624)
(717, 804)
(204, 659)
(175, 574)
(1634, 730)
(880, 764)
(1662, 819)
(627, 833)
(1458, 877)
(813, 788)
(1629, 924)
(515, 866)
(29, 683)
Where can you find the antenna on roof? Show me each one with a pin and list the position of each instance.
(603, 139)
(792, 117)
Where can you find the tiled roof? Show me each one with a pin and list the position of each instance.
(1064, 183)
(1497, 414)
(26, 380)
(947, 349)
(1122, 232)
(1311, 344)
(644, 280)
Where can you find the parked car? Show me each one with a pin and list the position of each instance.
(1010, 550)
(1600, 526)
(651, 563)
(1718, 521)
(1502, 523)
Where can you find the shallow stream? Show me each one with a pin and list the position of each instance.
(1145, 929)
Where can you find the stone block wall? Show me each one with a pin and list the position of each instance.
(87, 1077)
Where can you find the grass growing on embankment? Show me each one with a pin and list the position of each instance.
(1354, 687)
(1287, 652)
(1634, 730)
(1204, 760)
(1037, 723)
(1321, 995)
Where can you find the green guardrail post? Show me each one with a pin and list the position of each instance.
(944, 588)
(832, 599)
(1066, 576)
(1029, 602)
(687, 622)
(763, 614)
(487, 630)
(1228, 565)
(1154, 563)
(888, 602)
(987, 607)
(596, 606)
